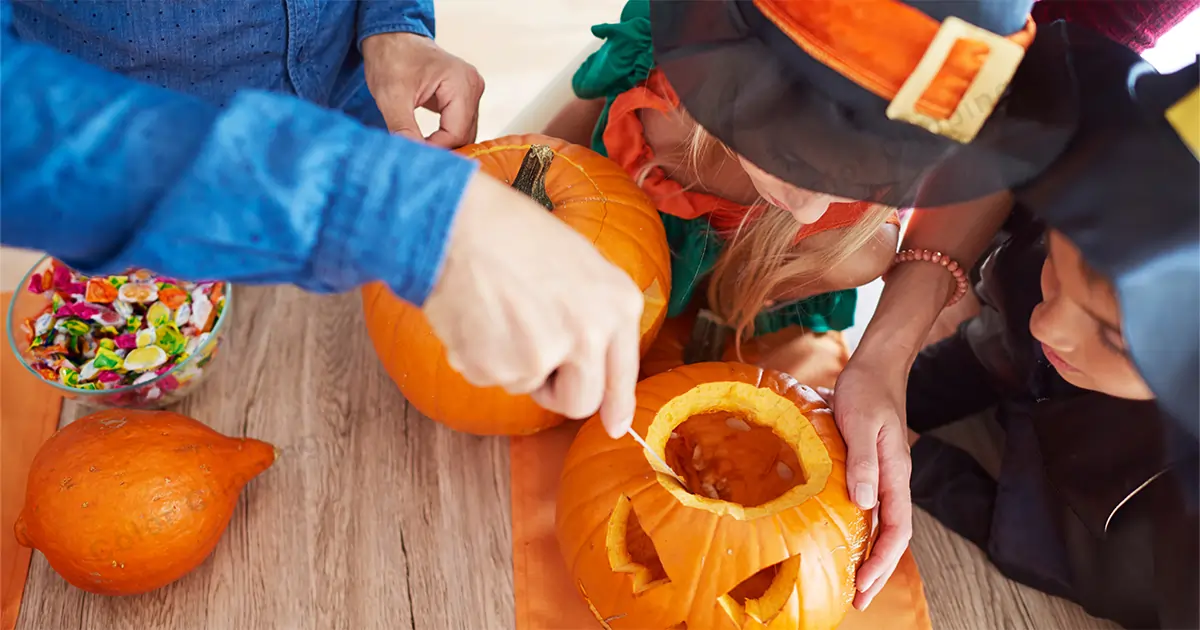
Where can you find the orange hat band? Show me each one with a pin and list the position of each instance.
(944, 77)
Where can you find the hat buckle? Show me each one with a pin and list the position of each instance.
(979, 100)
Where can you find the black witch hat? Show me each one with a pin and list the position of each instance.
(1127, 193)
(861, 98)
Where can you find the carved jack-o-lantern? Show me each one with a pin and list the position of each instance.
(761, 533)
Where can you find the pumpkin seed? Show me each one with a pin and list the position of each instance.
(784, 471)
(737, 424)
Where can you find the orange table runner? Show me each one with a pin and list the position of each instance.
(29, 413)
(546, 598)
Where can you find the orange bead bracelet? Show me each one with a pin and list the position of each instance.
(937, 258)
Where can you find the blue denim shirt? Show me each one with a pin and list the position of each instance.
(169, 135)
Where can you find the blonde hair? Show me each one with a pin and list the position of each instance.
(762, 256)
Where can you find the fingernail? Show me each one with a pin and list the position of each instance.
(620, 429)
(864, 495)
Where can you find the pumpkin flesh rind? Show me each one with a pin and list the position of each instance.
(707, 554)
(593, 196)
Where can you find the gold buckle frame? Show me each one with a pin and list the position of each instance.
(1184, 116)
(978, 101)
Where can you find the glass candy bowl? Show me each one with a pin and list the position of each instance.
(103, 344)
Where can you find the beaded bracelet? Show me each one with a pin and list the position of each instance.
(937, 258)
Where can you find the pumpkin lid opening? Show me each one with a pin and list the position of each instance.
(741, 450)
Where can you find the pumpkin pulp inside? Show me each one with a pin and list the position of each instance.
(741, 450)
(723, 455)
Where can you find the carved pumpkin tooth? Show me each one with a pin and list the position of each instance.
(585, 190)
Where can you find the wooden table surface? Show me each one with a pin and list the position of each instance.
(376, 517)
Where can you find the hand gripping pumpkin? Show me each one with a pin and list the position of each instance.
(588, 192)
(123, 502)
(761, 534)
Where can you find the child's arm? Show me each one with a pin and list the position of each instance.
(861, 267)
(576, 121)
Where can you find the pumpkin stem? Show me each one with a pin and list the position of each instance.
(531, 177)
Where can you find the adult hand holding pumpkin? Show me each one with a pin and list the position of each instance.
(527, 304)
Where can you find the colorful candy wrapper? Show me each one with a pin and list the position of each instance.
(123, 309)
(158, 314)
(170, 339)
(146, 337)
(172, 296)
(68, 377)
(74, 326)
(138, 292)
(126, 341)
(108, 318)
(108, 377)
(88, 371)
(108, 360)
(183, 315)
(202, 312)
(145, 358)
(100, 291)
(43, 324)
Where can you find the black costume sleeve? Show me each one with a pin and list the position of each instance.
(948, 383)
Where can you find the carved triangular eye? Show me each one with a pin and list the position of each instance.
(762, 596)
(630, 549)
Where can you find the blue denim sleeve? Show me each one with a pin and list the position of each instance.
(395, 16)
(107, 173)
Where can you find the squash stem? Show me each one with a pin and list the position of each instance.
(531, 177)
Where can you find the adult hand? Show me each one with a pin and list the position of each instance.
(406, 71)
(869, 409)
(527, 304)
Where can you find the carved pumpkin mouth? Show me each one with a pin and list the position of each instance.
(741, 450)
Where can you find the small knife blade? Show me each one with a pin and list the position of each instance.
(637, 438)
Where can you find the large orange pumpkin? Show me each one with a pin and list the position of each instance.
(819, 357)
(588, 192)
(123, 501)
(760, 534)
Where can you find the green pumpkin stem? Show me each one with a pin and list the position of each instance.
(531, 177)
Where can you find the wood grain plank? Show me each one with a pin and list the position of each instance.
(372, 517)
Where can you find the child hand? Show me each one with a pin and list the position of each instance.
(869, 410)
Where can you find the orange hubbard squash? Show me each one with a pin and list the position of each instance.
(760, 534)
(592, 195)
(125, 501)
